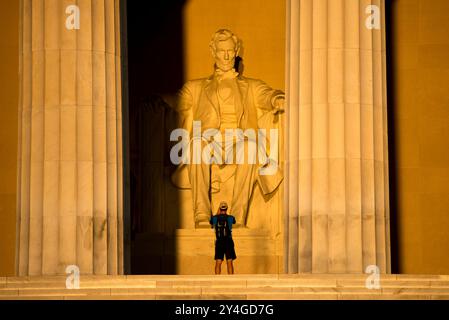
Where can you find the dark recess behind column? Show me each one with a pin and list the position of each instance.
(392, 154)
(155, 58)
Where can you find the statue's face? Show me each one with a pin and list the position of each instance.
(225, 54)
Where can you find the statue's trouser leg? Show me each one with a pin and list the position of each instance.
(199, 174)
(245, 177)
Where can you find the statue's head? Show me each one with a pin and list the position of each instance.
(225, 47)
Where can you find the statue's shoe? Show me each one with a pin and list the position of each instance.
(202, 220)
(240, 221)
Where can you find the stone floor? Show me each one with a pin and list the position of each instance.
(251, 287)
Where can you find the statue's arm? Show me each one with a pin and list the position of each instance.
(184, 106)
(267, 98)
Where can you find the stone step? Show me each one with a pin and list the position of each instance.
(237, 280)
(218, 291)
(304, 286)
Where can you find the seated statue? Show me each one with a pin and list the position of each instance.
(224, 123)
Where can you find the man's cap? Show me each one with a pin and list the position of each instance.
(223, 205)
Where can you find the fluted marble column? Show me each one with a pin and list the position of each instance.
(70, 145)
(336, 189)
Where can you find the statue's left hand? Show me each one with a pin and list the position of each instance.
(278, 107)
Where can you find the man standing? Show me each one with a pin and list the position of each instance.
(226, 101)
(224, 245)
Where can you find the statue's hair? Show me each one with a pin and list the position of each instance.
(223, 35)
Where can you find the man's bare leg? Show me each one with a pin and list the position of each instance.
(230, 266)
(218, 266)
